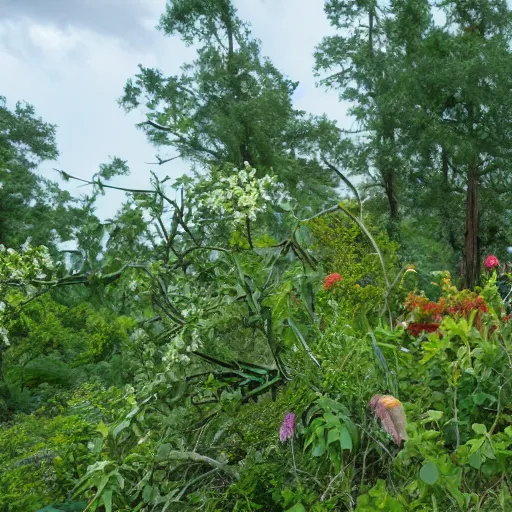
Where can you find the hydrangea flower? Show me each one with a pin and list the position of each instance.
(491, 262)
(287, 429)
(331, 280)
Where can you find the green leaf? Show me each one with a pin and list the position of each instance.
(303, 342)
(480, 398)
(346, 439)
(432, 416)
(103, 429)
(475, 460)
(119, 428)
(318, 448)
(298, 507)
(479, 428)
(333, 435)
(163, 452)
(429, 473)
(107, 500)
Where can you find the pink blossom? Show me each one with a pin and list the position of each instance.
(392, 416)
(287, 427)
(491, 262)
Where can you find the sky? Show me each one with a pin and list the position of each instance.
(71, 59)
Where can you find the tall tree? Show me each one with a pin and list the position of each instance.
(364, 61)
(230, 105)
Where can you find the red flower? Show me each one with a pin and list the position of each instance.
(491, 262)
(416, 328)
(331, 279)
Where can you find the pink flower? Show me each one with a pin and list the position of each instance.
(392, 416)
(287, 427)
(331, 280)
(491, 262)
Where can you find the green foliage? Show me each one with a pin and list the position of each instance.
(230, 105)
(41, 456)
(344, 249)
(155, 371)
(31, 206)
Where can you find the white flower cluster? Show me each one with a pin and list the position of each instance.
(179, 349)
(240, 195)
(29, 263)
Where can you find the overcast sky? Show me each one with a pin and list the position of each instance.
(71, 59)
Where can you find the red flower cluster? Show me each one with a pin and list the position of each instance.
(331, 280)
(467, 305)
(429, 314)
(416, 328)
(491, 262)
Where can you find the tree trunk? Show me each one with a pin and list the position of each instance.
(471, 242)
(388, 169)
(445, 205)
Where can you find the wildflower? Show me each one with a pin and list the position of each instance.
(391, 413)
(331, 279)
(491, 262)
(416, 328)
(287, 427)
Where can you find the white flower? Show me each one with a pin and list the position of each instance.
(2, 248)
(26, 246)
(11, 251)
(3, 335)
(246, 163)
(16, 274)
(2, 306)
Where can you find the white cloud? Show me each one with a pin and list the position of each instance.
(73, 74)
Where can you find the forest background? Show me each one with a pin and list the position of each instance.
(253, 334)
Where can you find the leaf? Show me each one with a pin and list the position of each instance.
(480, 398)
(163, 452)
(119, 428)
(429, 473)
(432, 416)
(479, 428)
(303, 342)
(475, 460)
(107, 500)
(298, 507)
(333, 435)
(346, 439)
(103, 429)
(318, 448)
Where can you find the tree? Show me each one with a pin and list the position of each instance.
(31, 206)
(230, 105)
(435, 102)
(367, 57)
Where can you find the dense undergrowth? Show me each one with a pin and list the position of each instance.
(120, 413)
